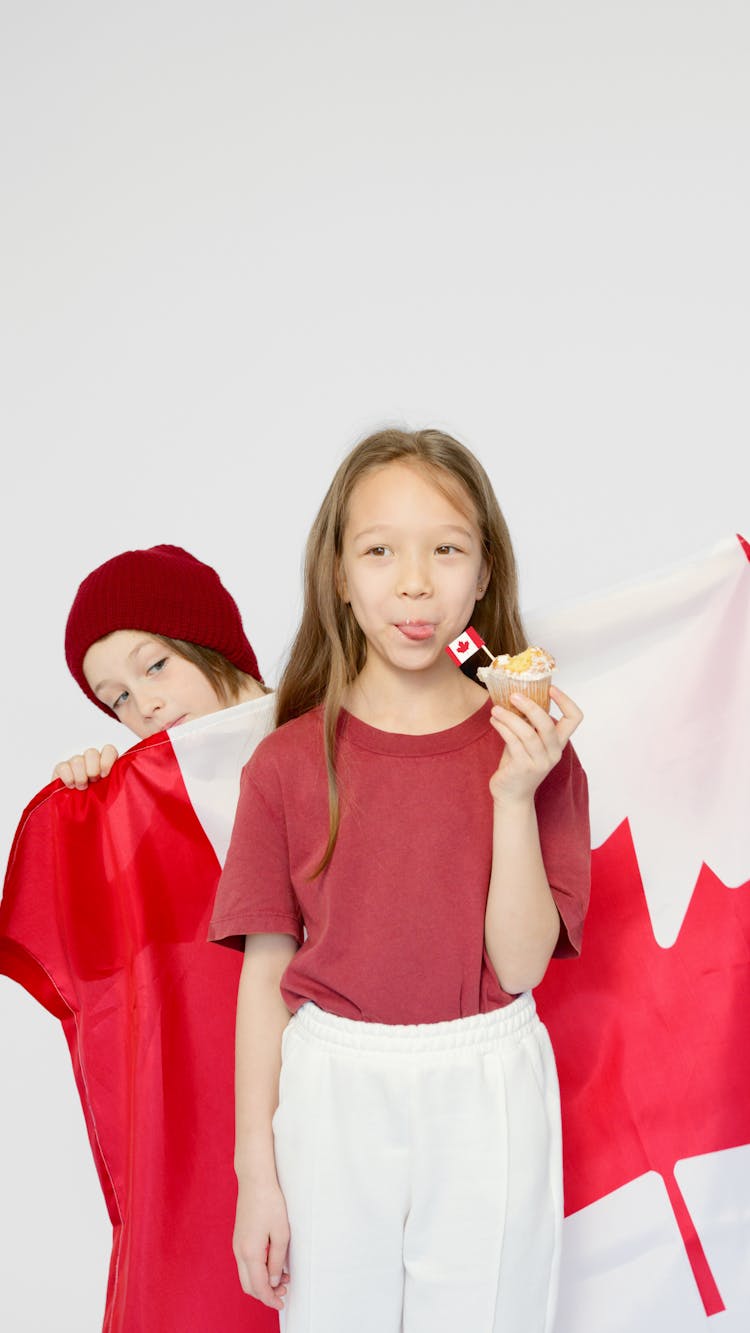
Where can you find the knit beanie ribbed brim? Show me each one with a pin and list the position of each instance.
(162, 590)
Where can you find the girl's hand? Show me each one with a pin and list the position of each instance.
(533, 744)
(81, 769)
(261, 1242)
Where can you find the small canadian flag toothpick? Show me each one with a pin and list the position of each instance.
(468, 652)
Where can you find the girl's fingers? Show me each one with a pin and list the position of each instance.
(81, 769)
(80, 776)
(567, 706)
(109, 755)
(92, 762)
(536, 731)
(277, 1259)
(572, 716)
(522, 765)
(531, 736)
(536, 716)
(258, 1284)
(553, 733)
(522, 747)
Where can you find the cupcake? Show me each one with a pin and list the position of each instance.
(529, 673)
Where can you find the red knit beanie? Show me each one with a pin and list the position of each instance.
(163, 590)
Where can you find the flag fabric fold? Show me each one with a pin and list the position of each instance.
(104, 918)
(650, 1025)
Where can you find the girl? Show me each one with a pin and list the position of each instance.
(125, 614)
(104, 919)
(436, 852)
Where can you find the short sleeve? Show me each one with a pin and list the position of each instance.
(255, 894)
(564, 833)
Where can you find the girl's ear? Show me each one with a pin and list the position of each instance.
(341, 587)
(485, 574)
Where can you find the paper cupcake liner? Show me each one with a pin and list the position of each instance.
(501, 684)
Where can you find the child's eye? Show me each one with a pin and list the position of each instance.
(379, 550)
(121, 699)
(446, 549)
(157, 667)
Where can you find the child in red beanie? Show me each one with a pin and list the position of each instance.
(154, 638)
(103, 919)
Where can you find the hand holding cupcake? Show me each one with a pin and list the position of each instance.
(528, 673)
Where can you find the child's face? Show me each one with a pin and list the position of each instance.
(146, 685)
(411, 567)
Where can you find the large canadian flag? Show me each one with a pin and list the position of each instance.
(104, 917)
(106, 905)
(651, 1026)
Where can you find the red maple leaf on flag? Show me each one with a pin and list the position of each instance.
(651, 1043)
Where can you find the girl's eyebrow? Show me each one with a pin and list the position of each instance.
(380, 529)
(144, 643)
(103, 684)
(390, 527)
(454, 527)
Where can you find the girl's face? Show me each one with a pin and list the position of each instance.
(412, 566)
(145, 684)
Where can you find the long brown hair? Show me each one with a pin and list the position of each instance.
(330, 648)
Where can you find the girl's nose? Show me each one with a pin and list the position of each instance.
(414, 578)
(149, 703)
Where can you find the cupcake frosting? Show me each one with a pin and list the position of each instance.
(531, 664)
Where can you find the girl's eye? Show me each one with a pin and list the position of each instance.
(378, 550)
(121, 699)
(446, 549)
(157, 667)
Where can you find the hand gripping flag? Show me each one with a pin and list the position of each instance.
(107, 900)
(650, 1026)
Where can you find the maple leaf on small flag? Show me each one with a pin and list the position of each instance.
(469, 651)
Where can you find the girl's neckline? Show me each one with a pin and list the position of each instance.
(429, 742)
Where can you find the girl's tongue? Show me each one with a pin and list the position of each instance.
(416, 629)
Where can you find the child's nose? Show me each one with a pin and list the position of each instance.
(149, 702)
(414, 577)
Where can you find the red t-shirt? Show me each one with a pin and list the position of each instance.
(395, 923)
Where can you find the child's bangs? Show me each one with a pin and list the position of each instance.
(453, 486)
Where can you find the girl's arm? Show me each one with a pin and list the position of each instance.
(261, 1233)
(522, 923)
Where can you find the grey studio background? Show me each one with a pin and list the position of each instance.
(235, 238)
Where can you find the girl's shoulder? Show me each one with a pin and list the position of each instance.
(289, 748)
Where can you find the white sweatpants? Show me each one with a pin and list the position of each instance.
(421, 1167)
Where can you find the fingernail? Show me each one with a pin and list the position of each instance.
(517, 698)
(275, 1281)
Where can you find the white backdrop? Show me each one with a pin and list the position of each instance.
(238, 236)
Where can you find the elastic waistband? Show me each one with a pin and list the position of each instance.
(477, 1032)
